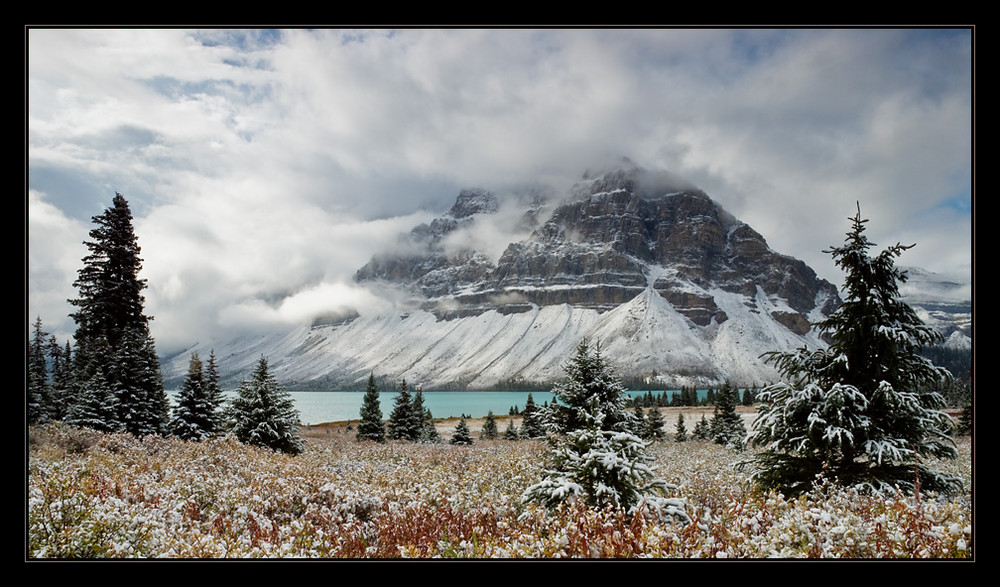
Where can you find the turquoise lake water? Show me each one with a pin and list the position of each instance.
(317, 407)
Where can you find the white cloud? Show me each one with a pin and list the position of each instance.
(265, 167)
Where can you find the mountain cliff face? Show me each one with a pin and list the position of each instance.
(612, 240)
(501, 290)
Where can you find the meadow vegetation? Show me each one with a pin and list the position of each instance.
(96, 495)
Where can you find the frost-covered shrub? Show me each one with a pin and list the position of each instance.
(164, 498)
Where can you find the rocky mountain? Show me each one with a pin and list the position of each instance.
(942, 301)
(499, 290)
(615, 237)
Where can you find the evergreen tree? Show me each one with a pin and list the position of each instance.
(263, 413)
(862, 411)
(641, 425)
(532, 424)
(418, 415)
(94, 402)
(143, 405)
(402, 424)
(727, 426)
(680, 431)
(39, 390)
(110, 309)
(195, 415)
(655, 424)
(966, 420)
(62, 378)
(489, 431)
(213, 391)
(462, 435)
(589, 389)
(511, 432)
(595, 454)
(428, 432)
(371, 426)
(702, 430)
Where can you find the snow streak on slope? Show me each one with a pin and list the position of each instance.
(640, 337)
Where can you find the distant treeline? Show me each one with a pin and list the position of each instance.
(688, 396)
(957, 361)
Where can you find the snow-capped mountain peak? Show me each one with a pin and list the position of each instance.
(501, 290)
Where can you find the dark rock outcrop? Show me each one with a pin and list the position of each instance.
(618, 234)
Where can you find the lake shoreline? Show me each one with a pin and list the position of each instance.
(446, 425)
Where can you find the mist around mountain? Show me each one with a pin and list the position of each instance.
(499, 290)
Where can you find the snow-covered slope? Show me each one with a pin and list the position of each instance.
(644, 336)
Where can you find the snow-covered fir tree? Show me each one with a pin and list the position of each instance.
(511, 432)
(702, 430)
(462, 434)
(404, 424)
(428, 432)
(641, 426)
(863, 411)
(196, 414)
(655, 424)
(213, 391)
(727, 426)
(143, 405)
(589, 388)
(532, 420)
(95, 404)
(39, 390)
(595, 455)
(263, 414)
(371, 427)
(110, 309)
(61, 358)
(680, 430)
(489, 430)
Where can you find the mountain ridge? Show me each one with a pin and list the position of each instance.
(500, 290)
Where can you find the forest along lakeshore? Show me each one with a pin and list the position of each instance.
(852, 455)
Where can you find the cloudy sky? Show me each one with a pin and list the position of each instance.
(264, 167)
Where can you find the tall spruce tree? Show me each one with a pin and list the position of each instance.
(111, 309)
(213, 391)
(595, 455)
(263, 414)
(417, 412)
(402, 423)
(371, 427)
(861, 412)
